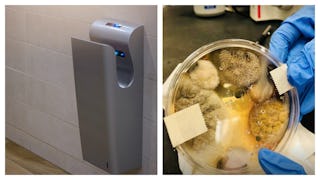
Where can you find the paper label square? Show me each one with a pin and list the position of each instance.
(185, 125)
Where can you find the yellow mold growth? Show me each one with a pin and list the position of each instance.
(268, 121)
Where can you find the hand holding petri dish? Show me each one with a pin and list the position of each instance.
(241, 107)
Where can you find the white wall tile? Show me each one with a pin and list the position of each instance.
(16, 113)
(16, 85)
(16, 54)
(48, 65)
(15, 24)
(53, 100)
(19, 8)
(58, 134)
(60, 103)
(36, 92)
(146, 15)
(37, 62)
(36, 9)
(35, 29)
(71, 12)
(53, 35)
(85, 14)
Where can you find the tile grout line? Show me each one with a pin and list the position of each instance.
(48, 114)
(37, 46)
(35, 78)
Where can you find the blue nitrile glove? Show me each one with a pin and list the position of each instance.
(274, 163)
(293, 44)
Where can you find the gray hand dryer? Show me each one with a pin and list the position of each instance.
(108, 73)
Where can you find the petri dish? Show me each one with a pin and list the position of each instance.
(243, 112)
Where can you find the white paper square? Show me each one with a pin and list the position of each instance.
(280, 79)
(185, 125)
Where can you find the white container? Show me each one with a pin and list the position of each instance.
(208, 10)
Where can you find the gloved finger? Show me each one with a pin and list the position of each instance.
(282, 40)
(303, 20)
(274, 163)
(299, 24)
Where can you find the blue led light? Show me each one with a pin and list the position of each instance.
(116, 25)
(119, 53)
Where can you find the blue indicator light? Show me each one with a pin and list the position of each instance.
(117, 25)
(119, 53)
(113, 24)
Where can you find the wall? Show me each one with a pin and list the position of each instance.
(41, 112)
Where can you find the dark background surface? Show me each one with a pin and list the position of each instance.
(184, 32)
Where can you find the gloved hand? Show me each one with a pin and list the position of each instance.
(293, 44)
(274, 163)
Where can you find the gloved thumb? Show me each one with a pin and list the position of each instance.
(274, 163)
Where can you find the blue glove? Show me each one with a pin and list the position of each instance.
(274, 163)
(293, 44)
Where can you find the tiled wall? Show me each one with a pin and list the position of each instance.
(41, 112)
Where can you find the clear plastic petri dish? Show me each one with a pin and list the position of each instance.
(242, 109)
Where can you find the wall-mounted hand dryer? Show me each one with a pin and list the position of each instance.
(109, 89)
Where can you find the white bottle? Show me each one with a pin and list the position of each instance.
(209, 10)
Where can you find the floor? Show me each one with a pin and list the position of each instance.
(22, 161)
